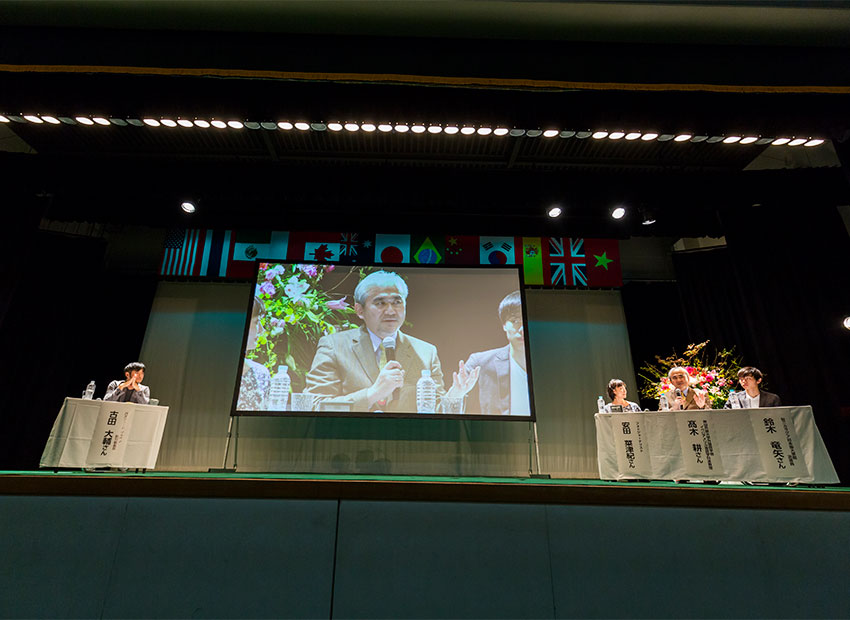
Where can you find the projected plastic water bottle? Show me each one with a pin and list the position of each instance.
(279, 389)
(89, 393)
(426, 393)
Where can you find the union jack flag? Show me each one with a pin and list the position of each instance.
(348, 245)
(559, 262)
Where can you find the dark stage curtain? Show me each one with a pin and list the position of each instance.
(66, 320)
(778, 292)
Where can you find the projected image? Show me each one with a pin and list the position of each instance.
(343, 339)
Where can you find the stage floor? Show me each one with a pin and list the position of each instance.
(422, 488)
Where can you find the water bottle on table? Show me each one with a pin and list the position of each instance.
(734, 400)
(663, 405)
(279, 389)
(600, 405)
(89, 393)
(426, 393)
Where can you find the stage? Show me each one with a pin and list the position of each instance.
(423, 489)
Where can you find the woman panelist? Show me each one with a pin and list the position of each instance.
(617, 392)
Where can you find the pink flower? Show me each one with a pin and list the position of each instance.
(339, 304)
(270, 275)
(267, 288)
(310, 270)
(691, 370)
(329, 268)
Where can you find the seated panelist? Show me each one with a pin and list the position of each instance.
(750, 379)
(682, 395)
(617, 392)
(131, 389)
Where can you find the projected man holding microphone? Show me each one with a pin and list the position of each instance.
(375, 367)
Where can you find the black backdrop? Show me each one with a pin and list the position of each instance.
(65, 319)
(778, 292)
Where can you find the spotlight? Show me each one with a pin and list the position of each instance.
(814, 142)
(368, 127)
(202, 123)
(219, 124)
(418, 129)
(318, 126)
(350, 127)
(188, 206)
(451, 130)
(534, 133)
(151, 122)
(616, 135)
(285, 125)
(55, 121)
(731, 139)
(402, 128)
(232, 124)
(550, 133)
(435, 129)
(301, 126)
(797, 142)
(618, 213)
(33, 119)
(634, 135)
(598, 135)
(335, 126)
(683, 137)
(385, 127)
(749, 139)
(184, 122)
(648, 137)
(516, 133)
(485, 131)
(647, 217)
(500, 131)
(846, 322)
(467, 131)
(3, 119)
(554, 211)
(166, 121)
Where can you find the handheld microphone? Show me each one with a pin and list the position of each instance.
(389, 348)
(678, 392)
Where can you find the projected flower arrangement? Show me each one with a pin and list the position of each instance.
(297, 313)
(709, 370)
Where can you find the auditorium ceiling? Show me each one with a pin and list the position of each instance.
(577, 89)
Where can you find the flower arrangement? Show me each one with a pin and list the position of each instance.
(296, 314)
(717, 374)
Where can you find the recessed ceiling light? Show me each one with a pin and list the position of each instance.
(435, 129)
(814, 142)
(199, 122)
(451, 129)
(731, 139)
(534, 133)
(485, 131)
(500, 131)
(797, 142)
(550, 133)
(554, 211)
(616, 135)
(302, 126)
(649, 136)
(84, 120)
(3, 119)
(749, 139)
(846, 322)
(188, 206)
(598, 135)
(467, 131)
(567, 134)
(252, 125)
(235, 124)
(184, 122)
(318, 126)
(666, 137)
(151, 122)
(402, 128)
(634, 135)
(50, 119)
(166, 121)
(385, 127)
(335, 126)
(516, 133)
(218, 124)
(352, 127)
(285, 125)
(618, 213)
(368, 127)
(33, 119)
(418, 128)
(683, 137)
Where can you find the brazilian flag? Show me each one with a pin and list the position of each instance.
(428, 250)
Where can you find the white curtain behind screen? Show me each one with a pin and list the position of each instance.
(578, 342)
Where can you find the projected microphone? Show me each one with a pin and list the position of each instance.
(389, 348)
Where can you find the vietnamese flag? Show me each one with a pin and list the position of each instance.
(603, 263)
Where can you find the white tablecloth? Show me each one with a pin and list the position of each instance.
(733, 439)
(137, 431)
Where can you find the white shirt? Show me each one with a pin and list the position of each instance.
(519, 390)
(751, 402)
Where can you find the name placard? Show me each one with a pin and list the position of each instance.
(632, 445)
(109, 440)
(779, 446)
(700, 454)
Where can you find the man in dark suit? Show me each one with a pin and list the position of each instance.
(503, 381)
(750, 379)
(353, 368)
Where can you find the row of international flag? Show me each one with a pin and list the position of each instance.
(546, 261)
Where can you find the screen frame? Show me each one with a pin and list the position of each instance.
(518, 268)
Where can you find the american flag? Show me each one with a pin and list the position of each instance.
(180, 257)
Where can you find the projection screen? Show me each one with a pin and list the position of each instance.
(380, 340)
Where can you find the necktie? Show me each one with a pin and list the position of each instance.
(382, 357)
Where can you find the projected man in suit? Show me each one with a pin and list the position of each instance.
(353, 367)
(503, 382)
(750, 379)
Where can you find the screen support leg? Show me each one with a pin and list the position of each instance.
(534, 452)
(224, 469)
